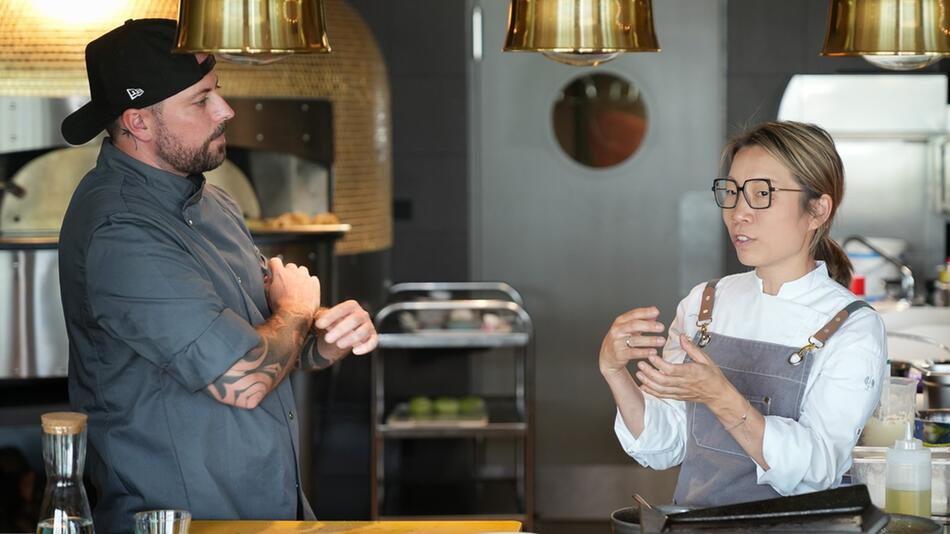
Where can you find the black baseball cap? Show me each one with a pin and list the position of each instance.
(132, 66)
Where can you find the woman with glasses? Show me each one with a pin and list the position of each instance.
(766, 377)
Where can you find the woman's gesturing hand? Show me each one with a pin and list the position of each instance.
(698, 381)
(628, 339)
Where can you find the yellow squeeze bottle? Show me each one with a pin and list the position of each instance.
(907, 480)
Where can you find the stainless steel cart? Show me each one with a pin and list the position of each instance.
(508, 417)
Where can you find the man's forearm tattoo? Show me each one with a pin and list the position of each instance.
(256, 374)
(313, 360)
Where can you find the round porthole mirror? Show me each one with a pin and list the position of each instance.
(600, 120)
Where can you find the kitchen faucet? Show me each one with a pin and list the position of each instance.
(907, 277)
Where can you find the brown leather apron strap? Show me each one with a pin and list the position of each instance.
(835, 323)
(706, 304)
(705, 311)
(818, 339)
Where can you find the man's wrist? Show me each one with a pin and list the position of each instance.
(296, 313)
(294, 324)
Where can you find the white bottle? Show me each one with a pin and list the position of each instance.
(908, 476)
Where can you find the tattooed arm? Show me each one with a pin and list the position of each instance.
(295, 297)
(255, 375)
(310, 358)
(343, 329)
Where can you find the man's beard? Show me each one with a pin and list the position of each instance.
(189, 160)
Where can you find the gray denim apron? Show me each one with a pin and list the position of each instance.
(772, 377)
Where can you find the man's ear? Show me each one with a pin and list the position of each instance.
(138, 123)
(820, 211)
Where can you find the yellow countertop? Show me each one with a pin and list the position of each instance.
(352, 527)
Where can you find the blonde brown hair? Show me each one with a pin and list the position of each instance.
(809, 153)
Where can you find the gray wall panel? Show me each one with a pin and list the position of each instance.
(424, 44)
(585, 245)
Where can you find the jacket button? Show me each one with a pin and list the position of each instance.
(190, 222)
(290, 414)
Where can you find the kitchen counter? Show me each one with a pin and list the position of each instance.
(262, 236)
(353, 527)
(25, 242)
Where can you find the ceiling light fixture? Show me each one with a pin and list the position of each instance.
(892, 34)
(252, 31)
(581, 32)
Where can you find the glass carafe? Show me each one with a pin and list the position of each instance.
(65, 508)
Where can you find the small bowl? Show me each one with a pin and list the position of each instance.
(933, 427)
(627, 520)
(911, 524)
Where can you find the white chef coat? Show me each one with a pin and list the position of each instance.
(842, 391)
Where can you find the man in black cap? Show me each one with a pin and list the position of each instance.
(181, 335)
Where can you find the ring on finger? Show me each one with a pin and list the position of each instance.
(627, 341)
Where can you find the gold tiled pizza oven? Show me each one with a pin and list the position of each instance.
(41, 54)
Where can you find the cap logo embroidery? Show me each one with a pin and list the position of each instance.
(134, 93)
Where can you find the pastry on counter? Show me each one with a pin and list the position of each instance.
(292, 219)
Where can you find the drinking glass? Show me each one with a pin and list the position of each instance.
(162, 522)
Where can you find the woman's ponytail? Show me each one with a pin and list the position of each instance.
(837, 262)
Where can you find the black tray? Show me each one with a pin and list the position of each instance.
(846, 509)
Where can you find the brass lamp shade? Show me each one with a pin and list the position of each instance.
(896, 34)
(581, 32)
(252, 31)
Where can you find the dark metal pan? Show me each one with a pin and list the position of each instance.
(846, 509)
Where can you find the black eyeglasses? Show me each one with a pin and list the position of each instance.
(757, 192)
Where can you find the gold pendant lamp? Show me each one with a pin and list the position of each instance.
(892, 34)
(581, 32)
(252, 31)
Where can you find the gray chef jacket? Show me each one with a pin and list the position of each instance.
(161, 287)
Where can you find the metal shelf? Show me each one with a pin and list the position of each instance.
(447, 339)
(483, 477)
(509, 417)
(503, 413)
(490, 430)
(470, 288)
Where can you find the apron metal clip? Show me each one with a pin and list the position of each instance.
(703, 335)
(798, 357)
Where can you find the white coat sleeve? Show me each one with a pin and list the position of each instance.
(662, 444)
(813, 453)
